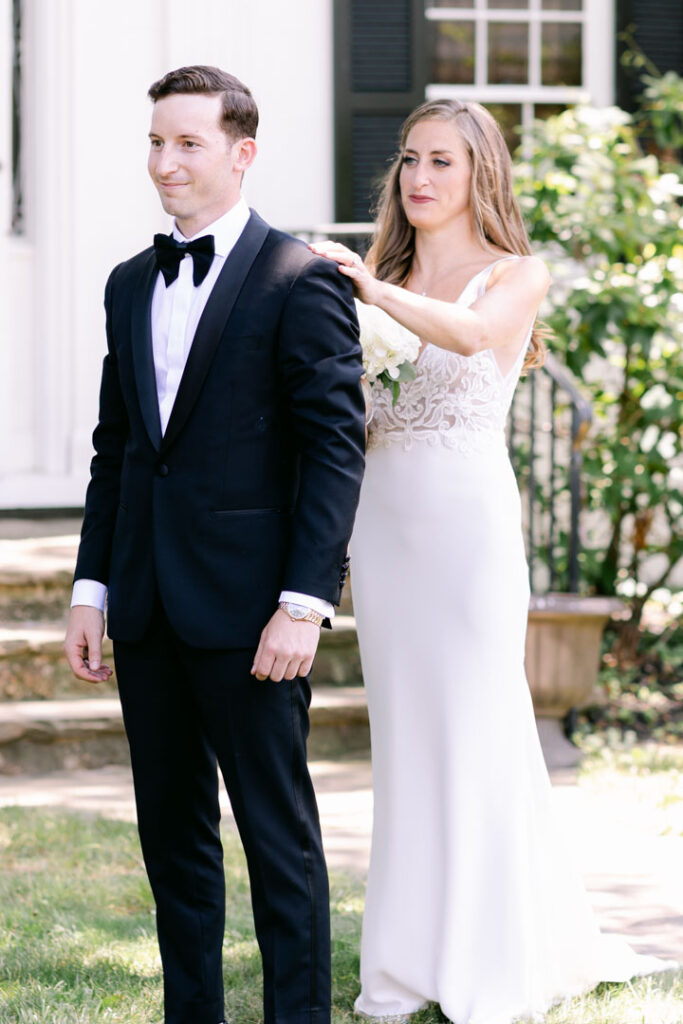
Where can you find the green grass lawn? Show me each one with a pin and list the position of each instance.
(78, 942)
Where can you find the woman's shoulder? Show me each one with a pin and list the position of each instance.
(528, 272)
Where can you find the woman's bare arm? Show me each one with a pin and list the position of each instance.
(499, 319)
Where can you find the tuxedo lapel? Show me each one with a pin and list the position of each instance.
(213, 321)
(143, 355)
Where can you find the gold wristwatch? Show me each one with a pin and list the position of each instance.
(300, 613)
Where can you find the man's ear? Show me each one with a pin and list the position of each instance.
(243, 154)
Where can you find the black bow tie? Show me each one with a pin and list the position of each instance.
(169, 253)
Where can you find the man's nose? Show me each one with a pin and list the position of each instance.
(165, 163)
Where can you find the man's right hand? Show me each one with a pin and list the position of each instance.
(83, 644)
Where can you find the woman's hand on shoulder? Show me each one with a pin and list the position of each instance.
(365, 285)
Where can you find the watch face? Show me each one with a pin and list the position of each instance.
(297, 611)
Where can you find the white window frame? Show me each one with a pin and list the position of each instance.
(597, 71)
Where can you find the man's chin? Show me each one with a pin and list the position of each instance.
(173, 205)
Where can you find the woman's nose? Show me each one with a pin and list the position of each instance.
(421, 177)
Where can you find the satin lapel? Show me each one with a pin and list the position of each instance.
(143, 355)
(212, 323)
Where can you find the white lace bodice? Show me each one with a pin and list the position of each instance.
(457, 401)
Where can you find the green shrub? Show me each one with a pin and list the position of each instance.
(609, 222)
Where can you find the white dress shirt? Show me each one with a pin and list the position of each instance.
(176, 311)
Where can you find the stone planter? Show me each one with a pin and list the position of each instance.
(563, 643)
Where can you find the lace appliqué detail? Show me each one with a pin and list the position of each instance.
(457, 401)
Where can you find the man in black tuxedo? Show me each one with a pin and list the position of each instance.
(228, 460)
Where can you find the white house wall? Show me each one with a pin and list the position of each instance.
(89, 202)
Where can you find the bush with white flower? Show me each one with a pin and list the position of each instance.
(610, 223)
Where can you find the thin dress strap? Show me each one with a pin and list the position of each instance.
(486, 272)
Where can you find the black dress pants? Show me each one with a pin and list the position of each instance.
(184, 708)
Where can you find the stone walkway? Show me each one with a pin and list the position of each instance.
(626, 834)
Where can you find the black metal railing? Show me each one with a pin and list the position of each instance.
(548, 422)
(357, 236)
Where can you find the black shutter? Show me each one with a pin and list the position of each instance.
(379, 79)
(658, 30)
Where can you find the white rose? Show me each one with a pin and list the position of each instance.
(386, 344)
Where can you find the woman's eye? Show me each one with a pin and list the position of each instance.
(442, 163)
(408, 160)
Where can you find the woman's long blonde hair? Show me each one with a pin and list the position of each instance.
(496, 215)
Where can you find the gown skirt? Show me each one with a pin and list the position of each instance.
(471, 900)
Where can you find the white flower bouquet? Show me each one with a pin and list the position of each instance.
(389, 348)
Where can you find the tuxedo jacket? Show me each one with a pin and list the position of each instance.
(253, 487)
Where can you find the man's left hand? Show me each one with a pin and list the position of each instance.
(286, 648)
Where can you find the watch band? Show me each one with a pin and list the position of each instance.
(299, 613)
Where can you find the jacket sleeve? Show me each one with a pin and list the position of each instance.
(109, 440)
(320, 368)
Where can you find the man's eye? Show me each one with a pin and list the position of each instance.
(189, 145)
(155, 143)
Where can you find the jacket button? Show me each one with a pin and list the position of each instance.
(162, 469)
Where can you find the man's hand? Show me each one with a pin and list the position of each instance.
(83, 644)
(286, 648)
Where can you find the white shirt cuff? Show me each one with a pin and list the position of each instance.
(89, 592)
(315, 603)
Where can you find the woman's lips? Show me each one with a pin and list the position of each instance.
(420, 199)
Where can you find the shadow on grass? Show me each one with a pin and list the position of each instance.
(78, 938)
(77, 927)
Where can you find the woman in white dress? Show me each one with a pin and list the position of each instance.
(470, 901)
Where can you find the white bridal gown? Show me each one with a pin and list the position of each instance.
(471, 902)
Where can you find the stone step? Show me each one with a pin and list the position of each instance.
(36, 569)
(47, 735)
(36, 572)
(33, 666)
(35, 577)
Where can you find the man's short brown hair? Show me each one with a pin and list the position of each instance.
(240, 113)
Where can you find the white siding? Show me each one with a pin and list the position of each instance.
(90, 204)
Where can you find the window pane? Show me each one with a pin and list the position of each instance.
(545, 110)
(509, 118)
(449, 3)
(508, 62)
(561, 54)
(450, 45)
(562, 5)
(508, 5)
